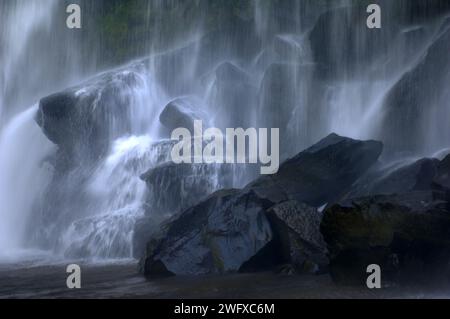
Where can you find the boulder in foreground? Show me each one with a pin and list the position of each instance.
(407, 235)
(272, 222)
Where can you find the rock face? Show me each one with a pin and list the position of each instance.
(271, 222)
(320, 174)
(181, 113)
(407, 235)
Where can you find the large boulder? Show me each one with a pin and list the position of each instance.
(322, 173)
(211, 236)
(407, 235)
(218, 235)
(83, 120)
(273, 221)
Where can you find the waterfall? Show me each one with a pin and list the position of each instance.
(307, 67)
(20, 20)
(23, 177)
(119, 194)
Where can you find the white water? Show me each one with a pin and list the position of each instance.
(23, 177)
(22, 19)
(118, 194)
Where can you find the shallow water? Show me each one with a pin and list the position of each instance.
(121, 280)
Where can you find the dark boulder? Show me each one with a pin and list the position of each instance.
(219, 235)
(322, 173)
(407, 235)
(83, 120)
(181, 113)
(403, 177)
(297, 227)
(396, 178)
(442, 177)
(272, 222)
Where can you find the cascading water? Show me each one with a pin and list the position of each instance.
(23, 178)
(20, 20)
(38, 53)
(307, 67)
(37, 57)
(117, 195)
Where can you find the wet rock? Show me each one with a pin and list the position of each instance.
(277, 97)
(234, 40)
(419, 11)
(174, 188)
(442, 177)
(287, 90)
(407, 235)
(290, 47)
(351, 47)
(218, 235)
(403, 177)
(396, 178)
(411, 103)
(83, 120)
(322, 173)
(298, 229)
(181, 113)
(234, 97)
(264, 225)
